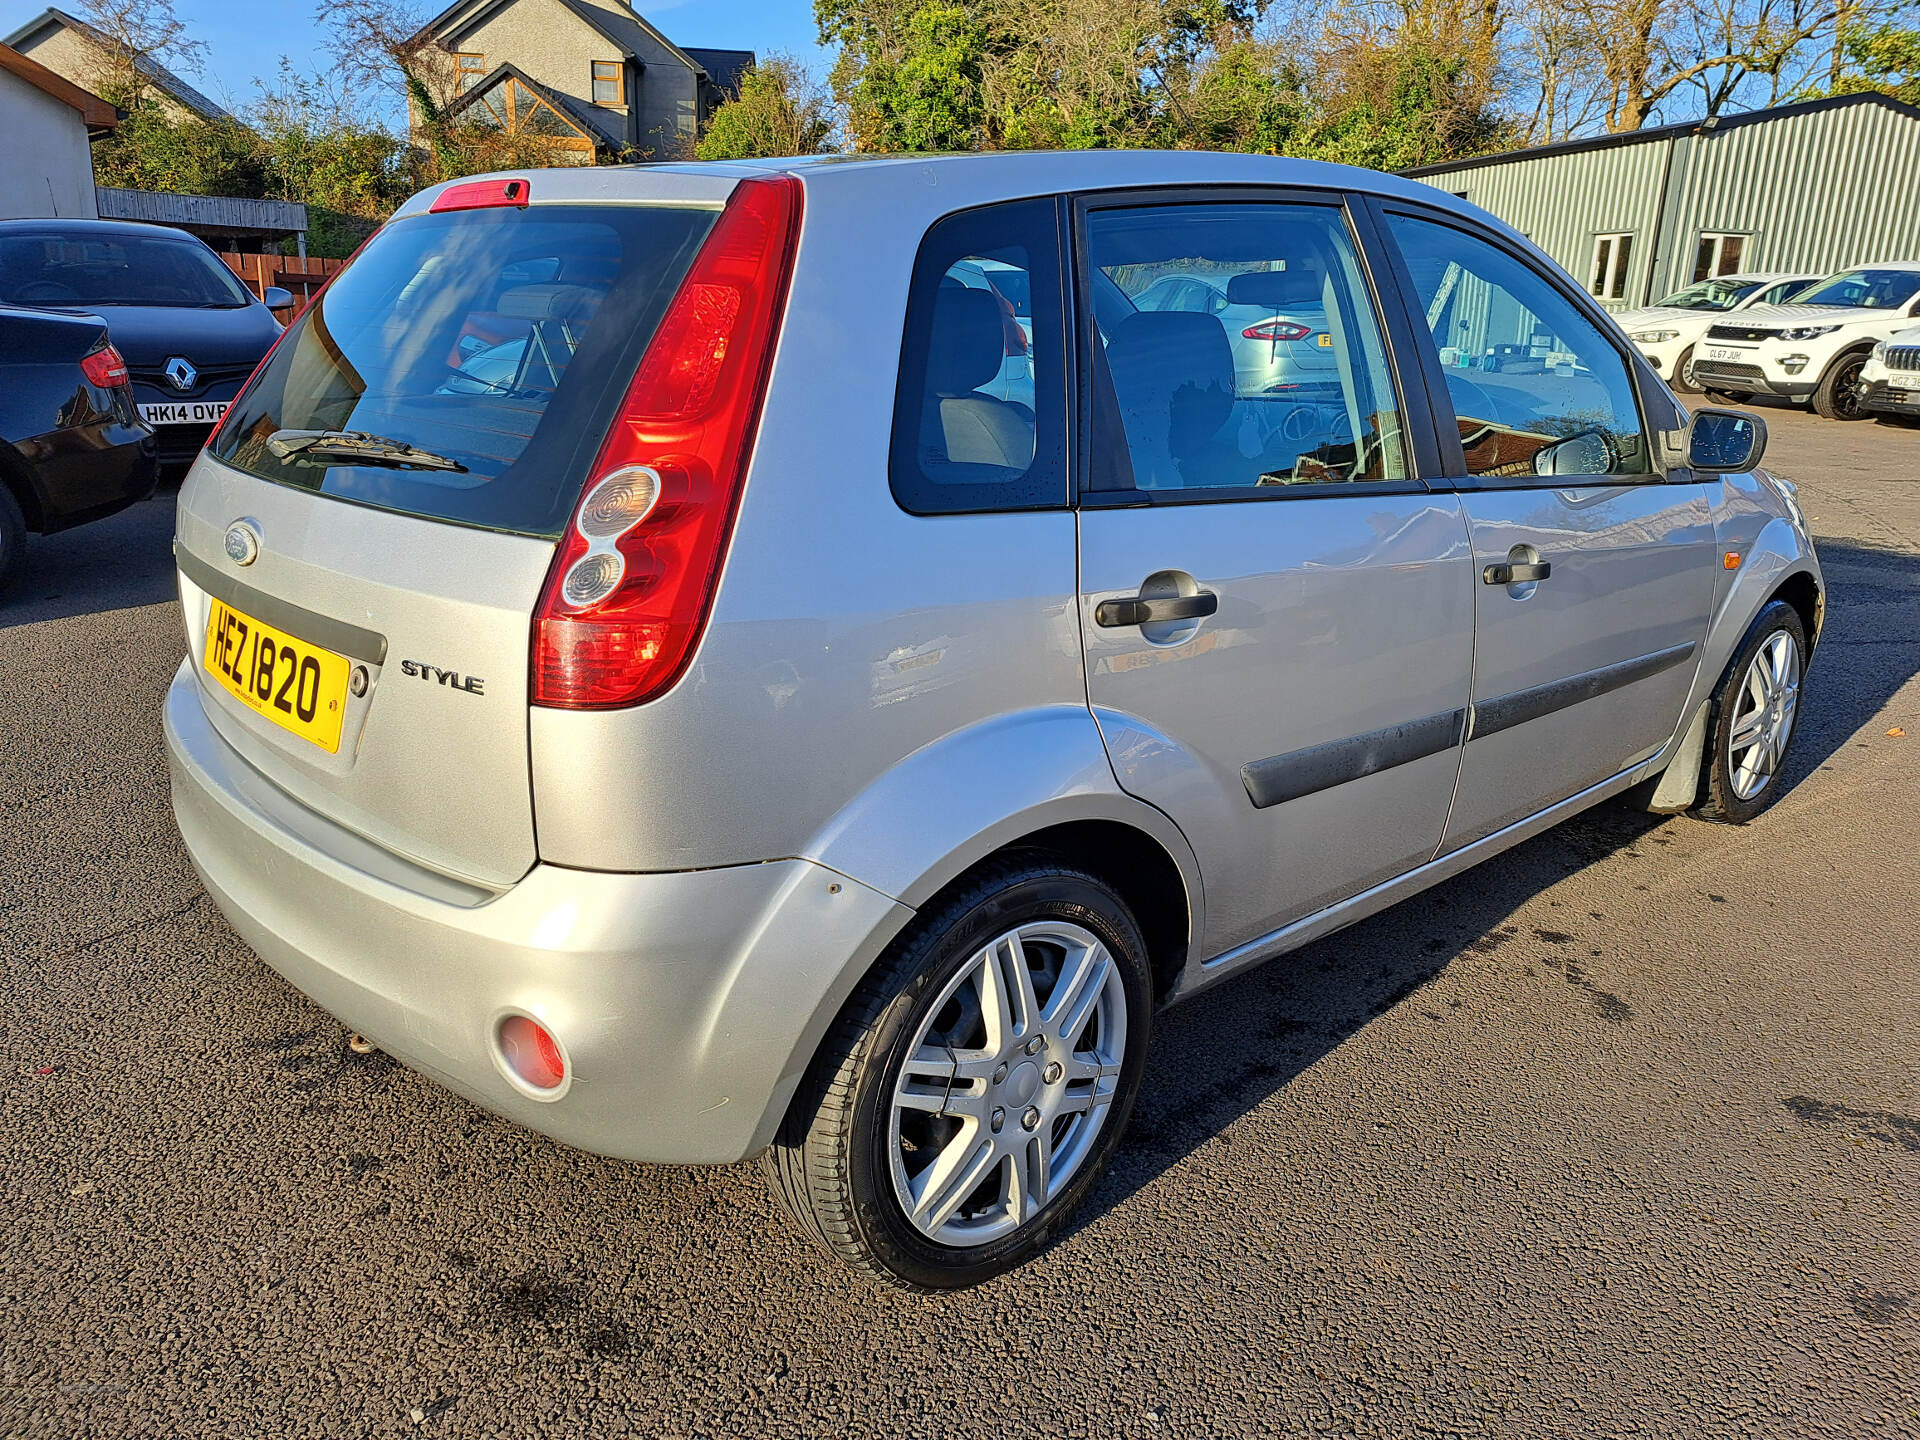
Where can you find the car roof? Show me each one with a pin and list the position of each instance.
(53, 225)
(1018, 172)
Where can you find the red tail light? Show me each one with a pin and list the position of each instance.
(1277, 329)
(634, 575)
(105, 368)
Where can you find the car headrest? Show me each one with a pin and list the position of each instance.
(548, 302)
(1173, 375)
(1273, 289)
(969, 342)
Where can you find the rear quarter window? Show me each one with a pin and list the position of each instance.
(979, 423)
(498, 340)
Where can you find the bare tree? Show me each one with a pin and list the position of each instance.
(138, 34)
(381, 47)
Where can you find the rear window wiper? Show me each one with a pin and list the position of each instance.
(358, 447)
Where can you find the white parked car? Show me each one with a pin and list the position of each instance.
(1666, 332)
(1817, 347)
(1890, 380)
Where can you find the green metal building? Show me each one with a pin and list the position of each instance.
(1816, 187)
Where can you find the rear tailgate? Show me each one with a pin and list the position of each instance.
(363, 545)
(432, 764)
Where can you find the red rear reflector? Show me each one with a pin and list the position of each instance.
(104, 368)
(531, 1053)
(641, 587)
(1276, 330)
(481, 195)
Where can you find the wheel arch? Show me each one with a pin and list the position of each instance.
(1840, 357)
(1034, 781)
(1802, 590)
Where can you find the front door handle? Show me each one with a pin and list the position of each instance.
(1507, 574)
(1141, 611)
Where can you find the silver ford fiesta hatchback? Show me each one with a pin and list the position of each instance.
(791, 659)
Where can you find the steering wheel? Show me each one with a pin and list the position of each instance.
(1459, 388)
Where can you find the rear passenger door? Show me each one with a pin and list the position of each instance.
(1276, 613)
(1594, 574)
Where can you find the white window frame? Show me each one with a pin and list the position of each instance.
(1717, 265)
(1607, 276)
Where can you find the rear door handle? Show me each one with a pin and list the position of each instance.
(1505, 574)
(1141, 611)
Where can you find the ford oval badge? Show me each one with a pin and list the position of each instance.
(243, 542)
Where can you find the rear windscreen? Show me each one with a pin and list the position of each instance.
(484, 353)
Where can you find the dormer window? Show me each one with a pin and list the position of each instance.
(609, 83)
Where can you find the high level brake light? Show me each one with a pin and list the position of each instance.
(634, 575)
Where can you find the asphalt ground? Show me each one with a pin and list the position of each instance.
(1618, 1134)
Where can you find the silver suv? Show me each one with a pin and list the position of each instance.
(645, 672)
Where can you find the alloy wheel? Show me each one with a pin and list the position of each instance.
(1008, 1083)
(1847, 390)
(1764, 712)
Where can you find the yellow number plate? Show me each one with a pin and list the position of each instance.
(297, 686)
(1325, 342)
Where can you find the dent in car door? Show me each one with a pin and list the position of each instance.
(1277, 618)
(1594, 573)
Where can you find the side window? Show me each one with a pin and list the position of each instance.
(1273, 375)
(1536, 387)
(980, 418)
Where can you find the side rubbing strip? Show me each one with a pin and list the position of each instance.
(1320, 767)
(1503, 712)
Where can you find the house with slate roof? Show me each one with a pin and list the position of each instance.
(75, 50)
(594, 77)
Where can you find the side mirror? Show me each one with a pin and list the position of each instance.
(276, 298)
(1590, 452)
(1721, 441)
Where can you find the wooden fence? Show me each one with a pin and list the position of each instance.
(302, 277)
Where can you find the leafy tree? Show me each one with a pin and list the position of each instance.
(928, 95)
(1886, 58)
(150, 150)
(779, 111)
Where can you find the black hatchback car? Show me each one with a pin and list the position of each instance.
(72, 447)
(190, 331)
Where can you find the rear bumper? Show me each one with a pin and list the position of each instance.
(687, 1004)
(88, 471)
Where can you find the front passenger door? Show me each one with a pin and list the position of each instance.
(1594, 575)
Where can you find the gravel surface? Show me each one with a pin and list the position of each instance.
(1618, 1134)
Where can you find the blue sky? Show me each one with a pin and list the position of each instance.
(246, 38)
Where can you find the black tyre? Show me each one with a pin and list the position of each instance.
(1837, 396)
(1755, 715)
(13, 537)
(1730, 397)
(975, 1085)
(1682, 380)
